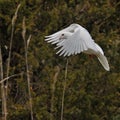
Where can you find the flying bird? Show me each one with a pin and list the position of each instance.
(76, 39)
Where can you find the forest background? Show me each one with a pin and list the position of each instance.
(36, 75)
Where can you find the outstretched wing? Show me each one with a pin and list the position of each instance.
(78, 42)
(55, 38)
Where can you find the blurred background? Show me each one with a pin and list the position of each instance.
(91, 92)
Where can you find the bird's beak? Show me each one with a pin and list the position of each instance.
(61, 37)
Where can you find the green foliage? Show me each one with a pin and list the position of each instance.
(91, 92)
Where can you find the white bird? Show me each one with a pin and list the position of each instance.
(76, 39)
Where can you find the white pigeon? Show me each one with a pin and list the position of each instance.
(76, 39)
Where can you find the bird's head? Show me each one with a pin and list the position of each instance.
(65, 35)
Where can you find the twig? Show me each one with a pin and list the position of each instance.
(9, 58)
(57, 70)
(2, 89)
(64, 87)
(11, 40)
(26, 61)
(3, 80)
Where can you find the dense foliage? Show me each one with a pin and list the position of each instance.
(91, 92)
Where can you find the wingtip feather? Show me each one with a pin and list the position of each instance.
(103, 60)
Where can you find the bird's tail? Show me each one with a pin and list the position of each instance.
(103, 60)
